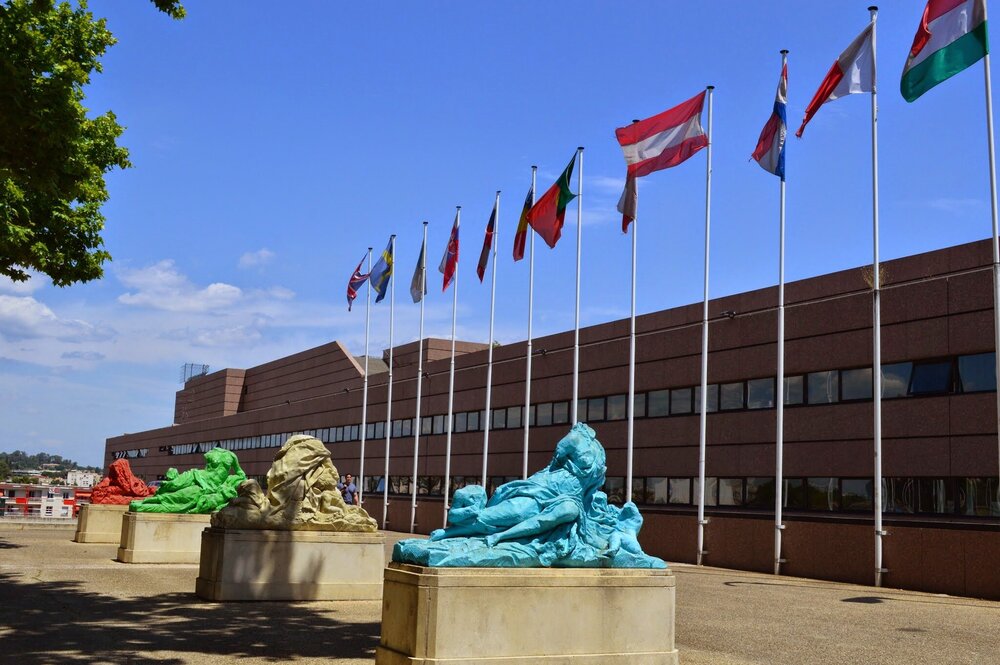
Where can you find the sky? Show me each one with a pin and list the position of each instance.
(274, 143)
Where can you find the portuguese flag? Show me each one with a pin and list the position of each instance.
(951, 37)
(546, 216)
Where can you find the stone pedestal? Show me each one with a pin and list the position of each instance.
(250, 564)
(517, 616)
(100, 523)
(161, 537)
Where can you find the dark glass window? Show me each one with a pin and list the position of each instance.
(439, 424)
(531, 416)
(936, 495)
(499, 419)
(614, 487)
(560, 413)
(397, 428)
(514, 417)
(823, 387)
(794, 390)
(457, 483)
(461, 421)
(978, 497)
(899, 495)
(730, 491)
(408, 427)
(595, 409)
(355, 432)
(713, 398)
(978, 373)
(931, 378)
(617, 407)
(492, 483)
(711, 491)
(760, 393)
(639, 405)
(856, 383)
(370, 431)
(581, 409)
(436, 485)
(543, 414)
(426, 425)
(856, 494)
(659, 403)
(824, 494)
(731, 396)
(760, 493)
(423, 484)
(638, 490)
(473, 421)
(657, 490)
(680, 401)
(896, 379)
(793, 495)
(680, 490)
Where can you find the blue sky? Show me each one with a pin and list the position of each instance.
(274, 143)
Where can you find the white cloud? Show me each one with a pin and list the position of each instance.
(162, 286)
(261, 257)
(91, 356)
(27, 287)
(606, 184)
(26, 318)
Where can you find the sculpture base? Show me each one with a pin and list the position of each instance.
(250, 564)
(161, 537)
(100, 523)
(516, 616)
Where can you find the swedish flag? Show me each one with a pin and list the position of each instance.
(382, 272)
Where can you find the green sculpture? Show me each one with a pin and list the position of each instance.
(196, 491)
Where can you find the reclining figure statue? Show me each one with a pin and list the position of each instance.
(196, 491)
(120, 487)
(558, 517)
(302, 495)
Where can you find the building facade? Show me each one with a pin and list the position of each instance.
(38, 501)
(940, 445)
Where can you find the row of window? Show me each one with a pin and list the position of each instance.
(974, 497)
(960, 374)
(131, 454)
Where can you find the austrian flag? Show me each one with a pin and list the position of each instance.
(665, 140)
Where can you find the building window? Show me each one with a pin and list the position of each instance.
(370, 431)
(531, 416)
(638, 490)
(680, 401)
(397, 428)
(427, 425)
(595, 409)
(978, 373)
(856, 383)
(978, 497)
(731, 396)
(461, 421)
(823, 494)
(499, 419)
(713, 398)
(438, 424)
(760, 493)
(380, 430)
(899, 495)
(659, 403)
(473, 421)
(794, 390)
(514, 417)
(657, 491)
(680, 491)
(617, 407)
(560, 413)
(408, 427)
(931, 378)
(823, 388)
(730, 491)
(896, 379)
(639, 405)
(856, 494)
(614, 487)
(760, 393)
(711, 491)
(543, 414)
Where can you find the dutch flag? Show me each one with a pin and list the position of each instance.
(770, 151)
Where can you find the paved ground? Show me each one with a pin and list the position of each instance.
(63, 602)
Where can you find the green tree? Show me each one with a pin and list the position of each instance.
(53, 157)
(4, 470)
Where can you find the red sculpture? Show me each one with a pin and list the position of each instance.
(120, 487)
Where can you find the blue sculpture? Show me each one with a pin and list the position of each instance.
(558, 517)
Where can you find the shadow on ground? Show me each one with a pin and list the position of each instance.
(7, 545)
(96, 628)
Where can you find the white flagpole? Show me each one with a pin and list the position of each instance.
(420, 380)
(703, 416)
(876, 321)
(631, 356)
(388, 399)
(996, 242)
(579, 248)
(779, 437)
(451, 379)
(531, 293)
(364, 389)
(489, 353)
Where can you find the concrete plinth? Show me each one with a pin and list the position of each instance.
(249, 564)
(161, 537)
(516, 616)
(99, 523)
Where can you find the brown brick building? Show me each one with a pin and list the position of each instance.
(940, 449)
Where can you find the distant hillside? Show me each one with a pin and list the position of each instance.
(21, 460)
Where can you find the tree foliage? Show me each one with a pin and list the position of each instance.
(19, 460)
(53, 157)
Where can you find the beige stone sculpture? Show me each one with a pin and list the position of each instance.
(302, 495)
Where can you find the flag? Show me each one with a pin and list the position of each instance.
(547, 216)
(450, 259)
(418, 285)
(853, 72)
(484, 256)
(356, 282)
(382, 272)
(951, 37)
(628, 203)
(521, 237)
(770, 151)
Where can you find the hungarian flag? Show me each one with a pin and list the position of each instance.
(770, 151)
(660, 142)
(356, 281)
(484, 256)
(547, 216)
(521, 237)
(853, 72)
(950, 38)
(449, 262)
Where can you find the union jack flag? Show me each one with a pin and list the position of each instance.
(356, 282)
